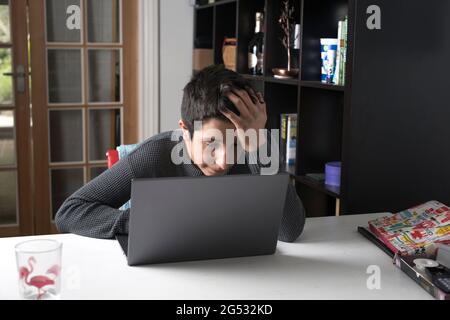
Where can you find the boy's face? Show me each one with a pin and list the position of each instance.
(207, 147)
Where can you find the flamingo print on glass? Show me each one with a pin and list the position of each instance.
(39, 269)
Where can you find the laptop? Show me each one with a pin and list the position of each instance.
(197, 218)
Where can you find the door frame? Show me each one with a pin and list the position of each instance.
(130, 27)
(24, 207)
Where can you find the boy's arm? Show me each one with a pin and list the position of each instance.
(92, 211)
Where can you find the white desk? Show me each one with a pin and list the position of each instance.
(329, 261)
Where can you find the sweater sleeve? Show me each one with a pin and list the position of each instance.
(293, 220)
(92, 211)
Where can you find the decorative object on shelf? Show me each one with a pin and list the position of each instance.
(256, 48)
(229, 53)
(282, 73)
(289, 39)
(328, 47)
(333, 174)
(339, 75)
(203, 58)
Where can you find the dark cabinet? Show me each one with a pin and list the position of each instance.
(396, 146)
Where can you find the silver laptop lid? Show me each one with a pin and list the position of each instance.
(192, 218)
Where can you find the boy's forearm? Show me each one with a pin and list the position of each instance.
(93, 210)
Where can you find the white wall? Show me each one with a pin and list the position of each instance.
(176, 41)
(148, 68)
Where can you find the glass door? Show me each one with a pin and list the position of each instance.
(84, 90)
(15, 143)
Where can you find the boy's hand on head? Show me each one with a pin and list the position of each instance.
(253, 115)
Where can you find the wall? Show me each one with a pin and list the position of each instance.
(176, 40)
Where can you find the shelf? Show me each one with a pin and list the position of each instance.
(319, 186)
(252, 77)
(217, 3)
(272, 79)
(321, 85)
(293, 82)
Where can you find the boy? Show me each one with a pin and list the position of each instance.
(220, 101)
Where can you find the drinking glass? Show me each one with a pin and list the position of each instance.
(39, 268)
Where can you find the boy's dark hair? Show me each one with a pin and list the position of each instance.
(204, 95)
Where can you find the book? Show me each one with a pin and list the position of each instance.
(341, 55)
(283, 137)
(336, 79)
(375, 240)
(291, 142)
(343, 51)
(288, 138)
(417, 230)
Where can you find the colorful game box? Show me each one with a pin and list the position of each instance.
(414, 231)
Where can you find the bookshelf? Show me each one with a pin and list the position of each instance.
(318, 105)
(357, 124)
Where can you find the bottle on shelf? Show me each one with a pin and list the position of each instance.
(256, 48)
(295, 62)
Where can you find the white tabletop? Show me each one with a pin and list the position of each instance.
(329, 261)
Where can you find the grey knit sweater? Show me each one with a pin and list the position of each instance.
(93, 210)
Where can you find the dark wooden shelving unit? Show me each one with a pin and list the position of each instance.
(284, 95)
(319, 186)
(368, 124)
(321, 85)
